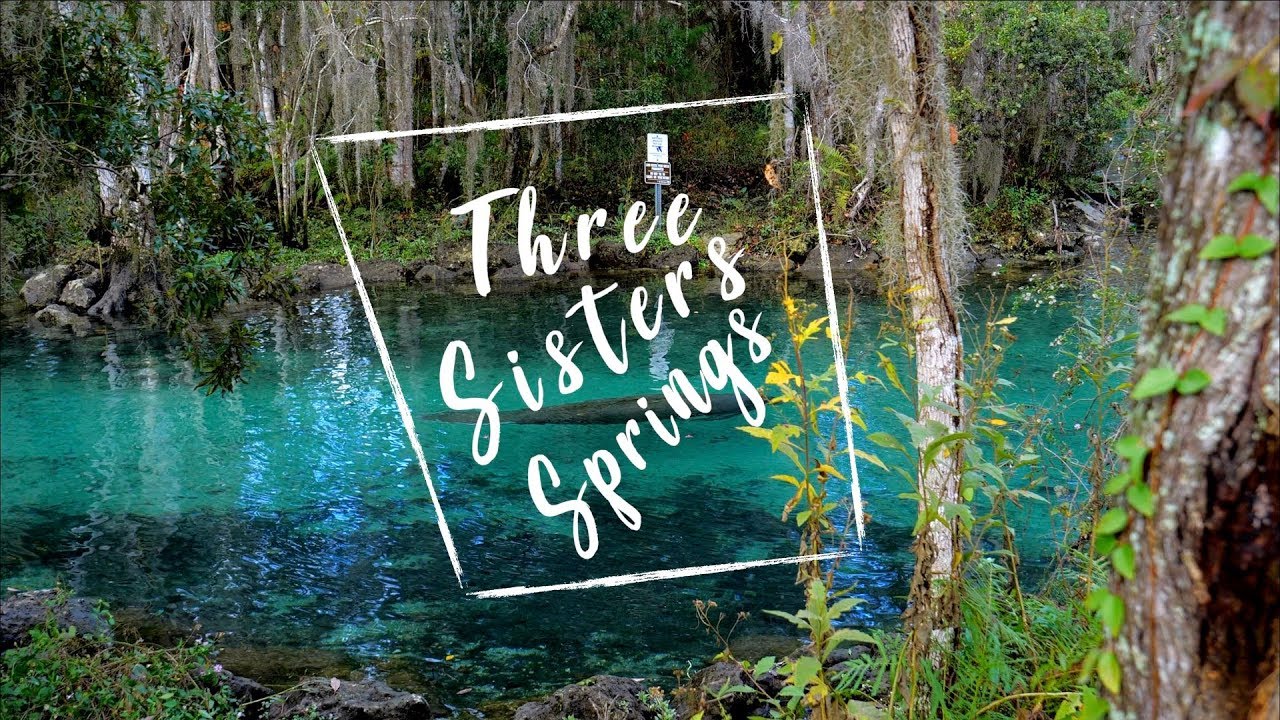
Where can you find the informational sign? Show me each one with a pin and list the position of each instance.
(657, 173)
(657, 149)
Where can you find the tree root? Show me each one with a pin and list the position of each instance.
(112, 302)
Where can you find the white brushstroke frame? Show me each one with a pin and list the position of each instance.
(406, 416)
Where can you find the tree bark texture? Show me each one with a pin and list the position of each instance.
(1203, 610)
(917, 125)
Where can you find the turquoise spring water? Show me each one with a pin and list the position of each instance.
(293, 513)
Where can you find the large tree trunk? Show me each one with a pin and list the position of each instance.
(1203, 609)
(918, 127)
(400, 58)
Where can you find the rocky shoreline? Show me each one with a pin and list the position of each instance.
(357, 696)
(61, 297)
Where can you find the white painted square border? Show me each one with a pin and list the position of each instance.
(402, 405)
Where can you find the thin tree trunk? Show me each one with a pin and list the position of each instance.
(789, 102)
(398, 52)
(918, 127)
(1200, 638)
(875, 131)
(263, 77)
(529, 85)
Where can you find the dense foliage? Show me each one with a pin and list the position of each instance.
(1048, 103)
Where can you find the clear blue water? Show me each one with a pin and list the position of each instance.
(293, 513)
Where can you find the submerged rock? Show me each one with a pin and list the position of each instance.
(280, 666)
(754, 647)
(336, 699)
(43, 288)
(23, 611)
(603, 697)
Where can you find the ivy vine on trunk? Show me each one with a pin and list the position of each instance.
(1200, 626)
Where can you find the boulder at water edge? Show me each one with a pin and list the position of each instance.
(77, 294)
(603, 697)
(21, 612)
(352, 700)
(44, 287)
(58, 316)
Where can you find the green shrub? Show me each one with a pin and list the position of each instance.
(62, 674)
(47, 227)
(1019, 655)
(1016, 213)
(1042, 94)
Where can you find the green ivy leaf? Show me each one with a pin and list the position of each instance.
(1215, 321)
(1252, 246)
(1109, 671)
(1266, 188)
(1122, 560)
(1113, 521)
(1221, 247)
(1269, 193)
(1193, 313)
(1245, 181)
(1157, 381)
(1104, 544)
(1117, 484)
(1193, 381)
(1093, 707)
(1130, 448)
(1111, 612)
(1141, 498)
